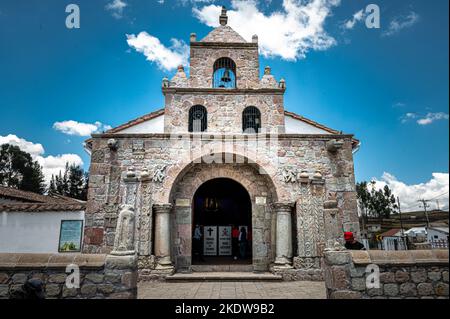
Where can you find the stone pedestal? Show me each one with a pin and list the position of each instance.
(162, 235)
(284, 234)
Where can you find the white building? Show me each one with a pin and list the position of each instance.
(33, 223)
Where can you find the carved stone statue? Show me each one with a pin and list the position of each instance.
(159, 174)
(289, 175)
(124, 239)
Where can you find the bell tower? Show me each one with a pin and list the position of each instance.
(224, 80)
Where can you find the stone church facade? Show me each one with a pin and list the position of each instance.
(223, 121)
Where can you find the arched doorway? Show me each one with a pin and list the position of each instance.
(219, 205)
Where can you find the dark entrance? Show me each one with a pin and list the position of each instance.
(219, 205)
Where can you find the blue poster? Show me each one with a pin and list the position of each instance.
(70, 236)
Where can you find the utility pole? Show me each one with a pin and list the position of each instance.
(425, 206)
(401, 220)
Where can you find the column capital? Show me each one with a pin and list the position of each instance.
(162, 208)
(283, 207)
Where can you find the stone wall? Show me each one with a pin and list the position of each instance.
(101, 276)
(224, 109)
(402, 274)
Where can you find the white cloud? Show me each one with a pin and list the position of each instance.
(400, 23)
(166, 58)
(29, 147)
(50, 164)
(116, 8)
(357, 17)
(407, 117)
(80, 129)
(289, 34)
(423, 120)
(410, 194)
(431, 117)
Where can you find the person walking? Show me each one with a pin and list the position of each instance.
(197, 244)
(242, 242)
(235, 241)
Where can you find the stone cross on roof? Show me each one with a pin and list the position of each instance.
(223, 19)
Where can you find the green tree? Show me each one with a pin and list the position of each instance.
(378, 203)
(72, 183)
(18, 170)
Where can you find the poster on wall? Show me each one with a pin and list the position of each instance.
(224, 240)
(210, 241)
(70, 236)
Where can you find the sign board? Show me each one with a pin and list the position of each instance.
(70, 236)
(210, 241)
(225, 241)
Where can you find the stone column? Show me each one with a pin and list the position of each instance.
(162, 235)
(284, 234)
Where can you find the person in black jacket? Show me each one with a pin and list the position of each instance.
(351, 243)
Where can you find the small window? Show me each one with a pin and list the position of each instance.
(198, 119)
(224, 74)
(251, 120)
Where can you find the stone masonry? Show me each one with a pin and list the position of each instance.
(402, 274)
(101, 276)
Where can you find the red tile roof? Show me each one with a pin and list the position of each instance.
(32, 202)
(42, 207)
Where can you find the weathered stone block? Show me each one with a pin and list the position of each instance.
(375, 292)
(95, 278)
(359, 284)
(113, 277)
(69, 292)
(419, 276)
(434, 275)
(339, 278)
(88, 290)
(52, 290)
(401, 276)
(19, 278)
(425, 289)
(387, 277)
(441, 289)
(391, 290)
(445, 276)
(106, 288)
(4, 277)
(338, 257)
(57, 278)
(129, 279)
(408, 289)
(4, 290)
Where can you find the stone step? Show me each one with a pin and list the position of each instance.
(224, 276)
(222, 268)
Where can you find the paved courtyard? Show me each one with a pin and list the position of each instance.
(232, 290)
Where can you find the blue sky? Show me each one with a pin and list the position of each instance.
(388, 86)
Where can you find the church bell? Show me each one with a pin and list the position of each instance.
(226, 76)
